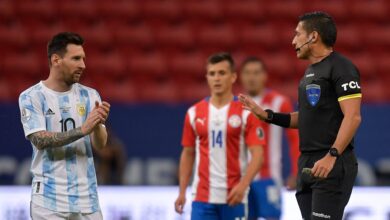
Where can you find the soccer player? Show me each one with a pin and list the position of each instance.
(329, 98)
(217, 135)
(265, 191)
(63, 120)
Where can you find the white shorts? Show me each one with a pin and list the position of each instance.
(40, 213)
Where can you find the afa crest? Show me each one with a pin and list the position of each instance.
(81, 109)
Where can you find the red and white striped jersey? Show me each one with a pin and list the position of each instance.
(272, 165)
(221, 138)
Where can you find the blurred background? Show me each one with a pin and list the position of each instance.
(147, 58)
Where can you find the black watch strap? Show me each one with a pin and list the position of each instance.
(334, 152)
(270, 115)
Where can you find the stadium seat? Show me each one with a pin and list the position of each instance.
(187, 66)
(194, 91)
(131, 37)
(178, 36)
(147, 65)
(120, 10)
(244, 11)
(339, 10)
(159, 91)
(369, 11)
(111, 65)
(366, 65)
(349, 37)
(216, 38)
(265, 36)
(164, 10)
(211, 11)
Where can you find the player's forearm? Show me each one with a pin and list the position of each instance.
(185, 169)
(99, 137)
(254, 165)
(46, 139)
(347, 130)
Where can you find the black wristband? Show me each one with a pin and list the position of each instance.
(280, 119)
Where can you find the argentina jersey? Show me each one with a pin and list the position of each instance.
(64, 178)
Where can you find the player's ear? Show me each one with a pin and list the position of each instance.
(234, 77)
(314, 37)
(55, 59)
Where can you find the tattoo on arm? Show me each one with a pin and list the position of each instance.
(46, 139)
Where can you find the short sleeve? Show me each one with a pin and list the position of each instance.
(254, 132)
(346, 80)
(94, 96)
(189, 137)
(32, 117)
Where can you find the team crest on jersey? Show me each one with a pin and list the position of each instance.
(81, 109)
(235, 121)
(260, 132)
(313, 93)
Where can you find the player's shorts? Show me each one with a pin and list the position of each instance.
(325, 198)
(264, 199)
(40, 213)
(208, 211)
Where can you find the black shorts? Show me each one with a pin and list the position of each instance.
(325, 198)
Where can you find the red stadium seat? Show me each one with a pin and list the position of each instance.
(215, 38)
(349, 37)
(366, 65)
(159, 91)
(374, 91)
(203, 10)
(110, 65)
(187, 66)
(147, 65)
(13, 38)
(119, 10)
(131, 37)
(369, 11)
(7, 11)
(164, 10)
(339, 10)
(21, 65)
(281, 66)
(244, 10)
(122, 91)
(265, 36)
(194, 91)
(175, 36)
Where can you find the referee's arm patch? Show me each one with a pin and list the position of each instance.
(351, 96)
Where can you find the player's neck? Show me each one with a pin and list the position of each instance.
(221, 100)
(53, 82)
(319, 54)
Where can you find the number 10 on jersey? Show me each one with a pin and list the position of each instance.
(216, 138)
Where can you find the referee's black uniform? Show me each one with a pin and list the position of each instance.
(324, 84)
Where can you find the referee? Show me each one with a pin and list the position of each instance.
(327, 118)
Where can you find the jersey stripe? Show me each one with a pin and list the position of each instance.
(352, 96)
(70, 155)
(203, 189)
(233, 147)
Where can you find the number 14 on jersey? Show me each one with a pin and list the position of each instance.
(216, 138)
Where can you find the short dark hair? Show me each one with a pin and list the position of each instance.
(219, 57)
(321, 22)
(253, 59)
(59, 42)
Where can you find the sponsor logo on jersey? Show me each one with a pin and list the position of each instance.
(26, 115)
(350, 85)
(260, 132)
(309, 75)
(81, 109)
(65, 109)
(49, 112)
(200, 120)
(235, 121)
(313, 93)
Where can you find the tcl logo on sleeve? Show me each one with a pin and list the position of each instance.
(351, 85)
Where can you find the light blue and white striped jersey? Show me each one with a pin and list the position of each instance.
(64, 178)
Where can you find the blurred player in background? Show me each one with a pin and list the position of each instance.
(328, 117)
(265, 192)
(217, 136)
(63, 119)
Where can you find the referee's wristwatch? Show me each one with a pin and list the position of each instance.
(334, 152)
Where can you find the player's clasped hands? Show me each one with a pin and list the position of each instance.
(98, 115)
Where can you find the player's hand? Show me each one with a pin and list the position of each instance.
(322, 167)
(93, 120)
(179, 204)
(251, 105)
(291, 183)
(236, 195)
(103, 109)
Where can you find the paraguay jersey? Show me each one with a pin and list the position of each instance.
(272, 165)
(220, 137)
(64, 178)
